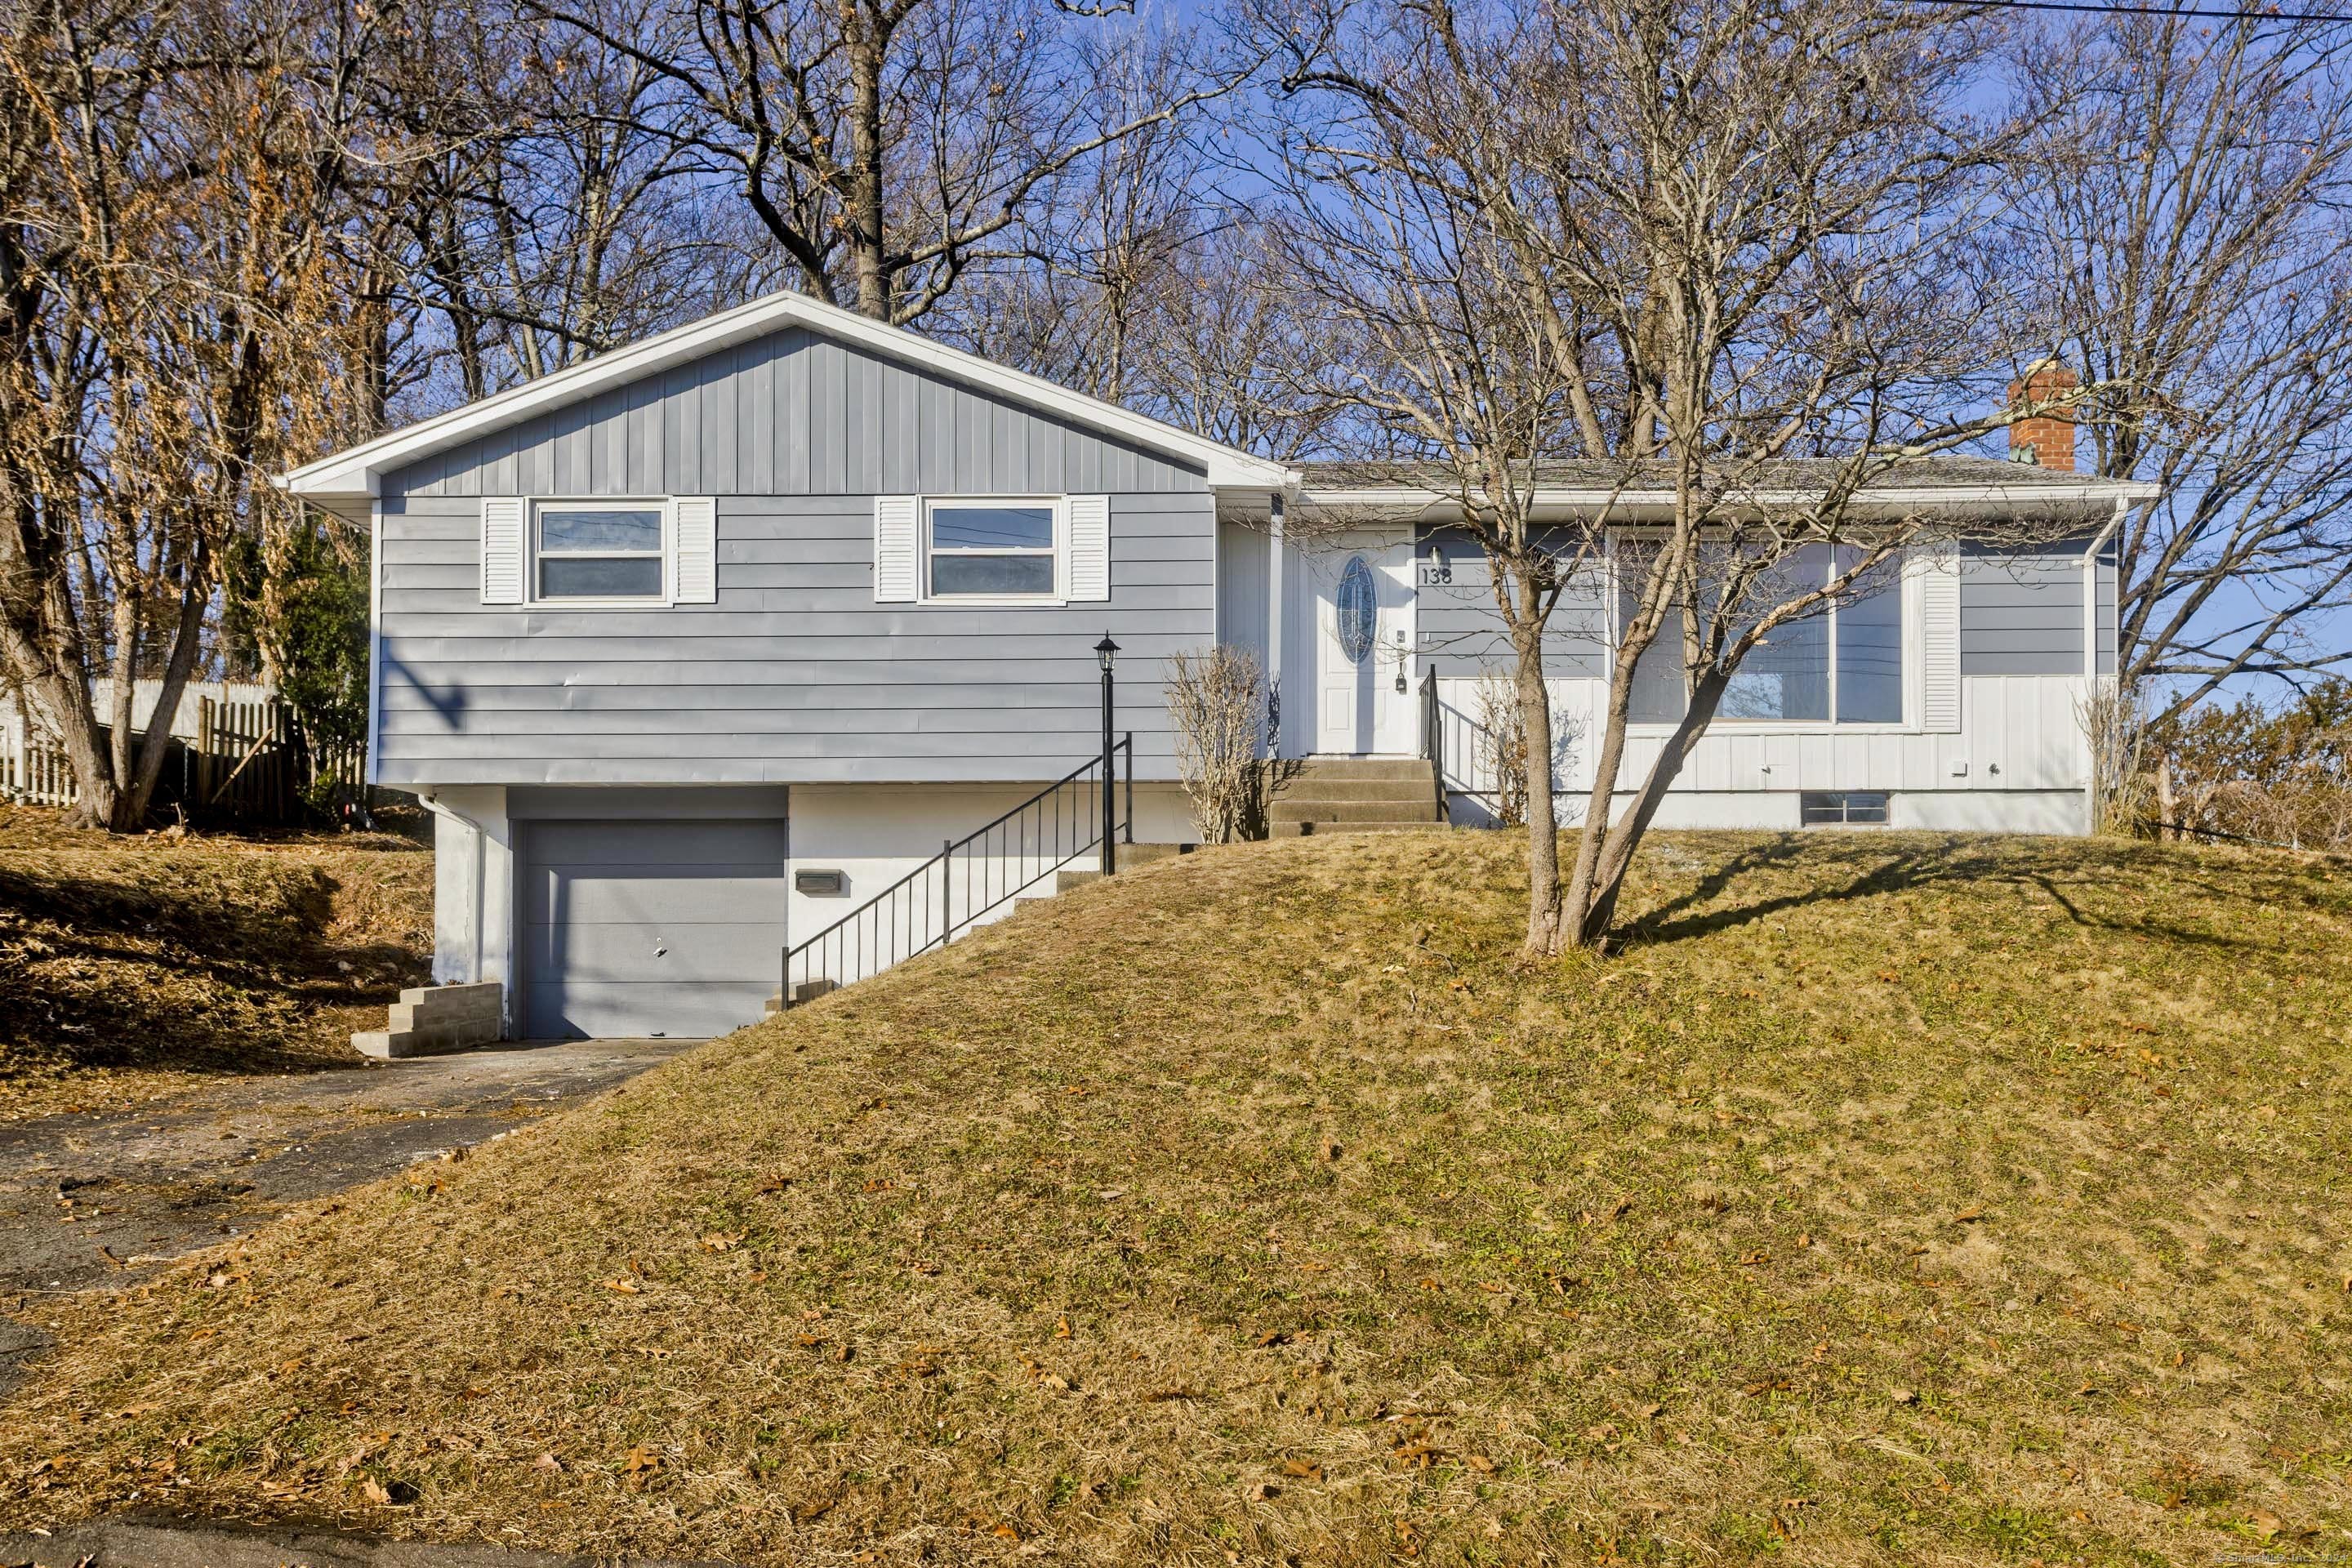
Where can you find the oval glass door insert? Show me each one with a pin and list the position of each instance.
(1358, 603)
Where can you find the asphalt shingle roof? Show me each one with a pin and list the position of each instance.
(1795, 474)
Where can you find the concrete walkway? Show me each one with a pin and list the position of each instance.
(98, 1201)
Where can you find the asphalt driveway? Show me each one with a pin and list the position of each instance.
(100, 1201)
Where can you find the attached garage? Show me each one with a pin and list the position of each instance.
(636, 927)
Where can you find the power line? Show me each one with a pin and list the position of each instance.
(2081, 5)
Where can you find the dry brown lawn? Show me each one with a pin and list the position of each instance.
(134, 967)
(1891, 1200)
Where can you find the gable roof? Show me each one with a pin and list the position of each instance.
(357, 472)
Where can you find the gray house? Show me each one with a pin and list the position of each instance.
(700, 648)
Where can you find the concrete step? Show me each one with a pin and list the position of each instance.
(1317, 829)
(1341, 788)
(1396, 808)
(1354, 768)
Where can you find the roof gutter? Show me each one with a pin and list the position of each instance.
(2120, 491)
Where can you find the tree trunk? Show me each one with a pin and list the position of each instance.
(1606, 763)
(139, 788)
(1545, 931)
(1615, 855)
(866, 237)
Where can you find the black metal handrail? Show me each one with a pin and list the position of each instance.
(1432, 734)
(970, 878)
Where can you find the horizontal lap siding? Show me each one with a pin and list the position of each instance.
(795, 674)
(1461, 631)
(2021, 612)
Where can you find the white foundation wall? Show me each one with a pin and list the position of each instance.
(873, 833)
(473, 888)
(877, 835)
(2019, 762)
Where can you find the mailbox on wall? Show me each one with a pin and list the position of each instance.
(821, 884)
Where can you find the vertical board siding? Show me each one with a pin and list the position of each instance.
(2110, 624)
(1242, 607)
(794, 673)
(794, 413)
(2016, 732)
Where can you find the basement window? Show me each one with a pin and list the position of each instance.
(1845, 808)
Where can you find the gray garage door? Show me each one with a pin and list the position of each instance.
(649, 928)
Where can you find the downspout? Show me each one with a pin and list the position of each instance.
(2090, 631)
(1276, 672)
(473, 891)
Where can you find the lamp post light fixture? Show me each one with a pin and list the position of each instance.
(1107, 652)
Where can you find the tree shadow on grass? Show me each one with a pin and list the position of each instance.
(161, 965)
(1902, 864)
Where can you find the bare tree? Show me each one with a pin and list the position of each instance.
(1697, 255)
(889, 145)
(1217, 703)
(546, 222)
(167, 297)
(2187, 213)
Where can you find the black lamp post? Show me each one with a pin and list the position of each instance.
(1106, 651)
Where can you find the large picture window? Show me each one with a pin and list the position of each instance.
(603, 551)
(991, 549)
(1841, 665)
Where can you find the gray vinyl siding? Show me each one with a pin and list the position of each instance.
(793, 414)
(794, 675)
(1242, 587)
(2021, 610)
(1461, 632)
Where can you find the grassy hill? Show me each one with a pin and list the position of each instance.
(1893, 1199)
(138, 966)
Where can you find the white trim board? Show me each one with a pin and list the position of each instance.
(358, 471)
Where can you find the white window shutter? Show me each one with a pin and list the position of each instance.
(502, 550)
(896, 523)
(696, 518)
(1937, 568)
(1089, 551)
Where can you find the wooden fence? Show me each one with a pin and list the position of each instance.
(242, 766)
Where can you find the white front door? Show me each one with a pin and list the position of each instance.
(1363, 645)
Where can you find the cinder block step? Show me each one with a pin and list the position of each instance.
(396, 1045)
(1312, 829)
(434, 1020)
(455, 999)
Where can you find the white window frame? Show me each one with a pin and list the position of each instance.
(534, 505)
(1913, 705)
(1058, 506)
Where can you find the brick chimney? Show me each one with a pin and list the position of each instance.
(2044, 438)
